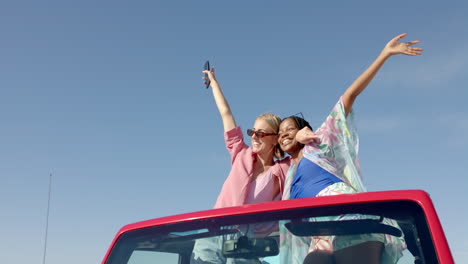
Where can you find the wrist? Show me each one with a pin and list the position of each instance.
(385, 54)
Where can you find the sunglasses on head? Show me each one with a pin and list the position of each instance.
(259, 134)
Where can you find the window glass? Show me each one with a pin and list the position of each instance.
(387, 232)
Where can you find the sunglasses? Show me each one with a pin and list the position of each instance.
(259, 134)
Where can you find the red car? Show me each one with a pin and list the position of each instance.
(251, 233)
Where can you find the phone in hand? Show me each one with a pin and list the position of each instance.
(207, 68)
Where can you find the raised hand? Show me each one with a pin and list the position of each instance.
(394, 47)
(306, 136)
(211, 76)
(223, 106)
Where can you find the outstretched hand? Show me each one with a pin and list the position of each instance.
(306, 136)
(394, 47)
(211, 76)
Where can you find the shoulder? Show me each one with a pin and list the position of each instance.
(234, 137)
(233, 133)
(283, 164)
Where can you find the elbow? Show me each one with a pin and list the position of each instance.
(350, 95)
(348, 100)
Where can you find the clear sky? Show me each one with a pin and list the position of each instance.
(107, 96)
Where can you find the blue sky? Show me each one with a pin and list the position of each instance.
(107, 96)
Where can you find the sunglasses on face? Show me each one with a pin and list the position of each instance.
(259, 134)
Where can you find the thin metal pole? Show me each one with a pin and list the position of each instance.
(47, 220)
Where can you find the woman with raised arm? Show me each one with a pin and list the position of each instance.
(326, 163)
(257, 174)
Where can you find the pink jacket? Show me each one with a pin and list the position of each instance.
(237, 184)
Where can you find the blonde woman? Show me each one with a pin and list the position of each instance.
(257, 172)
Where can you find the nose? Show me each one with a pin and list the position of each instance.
(283, 135)
(254, 135)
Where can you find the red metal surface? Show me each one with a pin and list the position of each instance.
(417, 196)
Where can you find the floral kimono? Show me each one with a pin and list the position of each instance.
(337, 153)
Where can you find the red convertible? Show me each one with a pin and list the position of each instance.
(250, 233)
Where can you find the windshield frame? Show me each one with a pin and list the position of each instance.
(416, 203)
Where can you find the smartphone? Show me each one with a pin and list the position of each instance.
(207, 68)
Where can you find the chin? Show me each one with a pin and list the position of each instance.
(289, 151)
(285, 149)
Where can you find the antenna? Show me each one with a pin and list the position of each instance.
(47, 220)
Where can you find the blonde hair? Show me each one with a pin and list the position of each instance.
(274, 122)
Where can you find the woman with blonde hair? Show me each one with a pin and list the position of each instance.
(257, 172)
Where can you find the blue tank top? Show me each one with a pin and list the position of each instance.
(310, 179)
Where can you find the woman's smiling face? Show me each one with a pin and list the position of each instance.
(265, 144)
(287, 137)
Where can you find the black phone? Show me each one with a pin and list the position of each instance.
(207, 68)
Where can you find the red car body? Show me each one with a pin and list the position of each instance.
(417, 197)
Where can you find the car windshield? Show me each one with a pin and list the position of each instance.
(333, 234)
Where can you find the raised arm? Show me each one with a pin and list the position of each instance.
(393, 47)
(223, 106)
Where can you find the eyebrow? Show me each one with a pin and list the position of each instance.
(261, 130)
